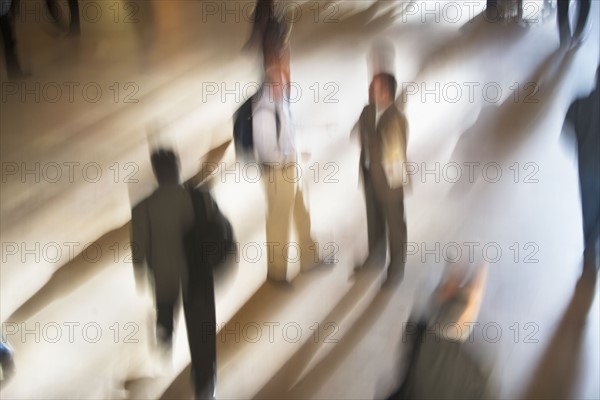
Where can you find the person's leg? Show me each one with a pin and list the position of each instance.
(199, 307)
(164, 321)
(397, 230)
(582, 19)
(590, 207)
(564, 27)
(7, 28)
(375, 217)
(75, 24)
(280, 197)
(56, 12)
(310, 253)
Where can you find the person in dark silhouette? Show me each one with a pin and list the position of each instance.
(583, 115)
(564, 26)
(164, 227)
(7, 29)
(383, 137)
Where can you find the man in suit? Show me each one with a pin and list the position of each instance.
(383, 137)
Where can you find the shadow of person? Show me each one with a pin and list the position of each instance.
(344, 29)
(317, 377)
(558, 370)
(298, 368)
(264, 305)
(480, 38)
(83, 267)
(500, 132)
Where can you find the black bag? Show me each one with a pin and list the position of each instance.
(242, 130)
(212, 236)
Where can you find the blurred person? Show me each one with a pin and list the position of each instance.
(274, 147)
(383, 137)
(583, 115)
(271, 32)
(567, 37)
(9, 41)
(162, 231)
(159, 226)
(438, 366)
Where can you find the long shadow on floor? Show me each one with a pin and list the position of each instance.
(366, 280)
(558, 370)
(312, 382)
(85, 266)
(500, 132)
(263, 306)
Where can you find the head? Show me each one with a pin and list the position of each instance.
(165, 165)
(383, 89)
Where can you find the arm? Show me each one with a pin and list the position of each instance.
(474, 289)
